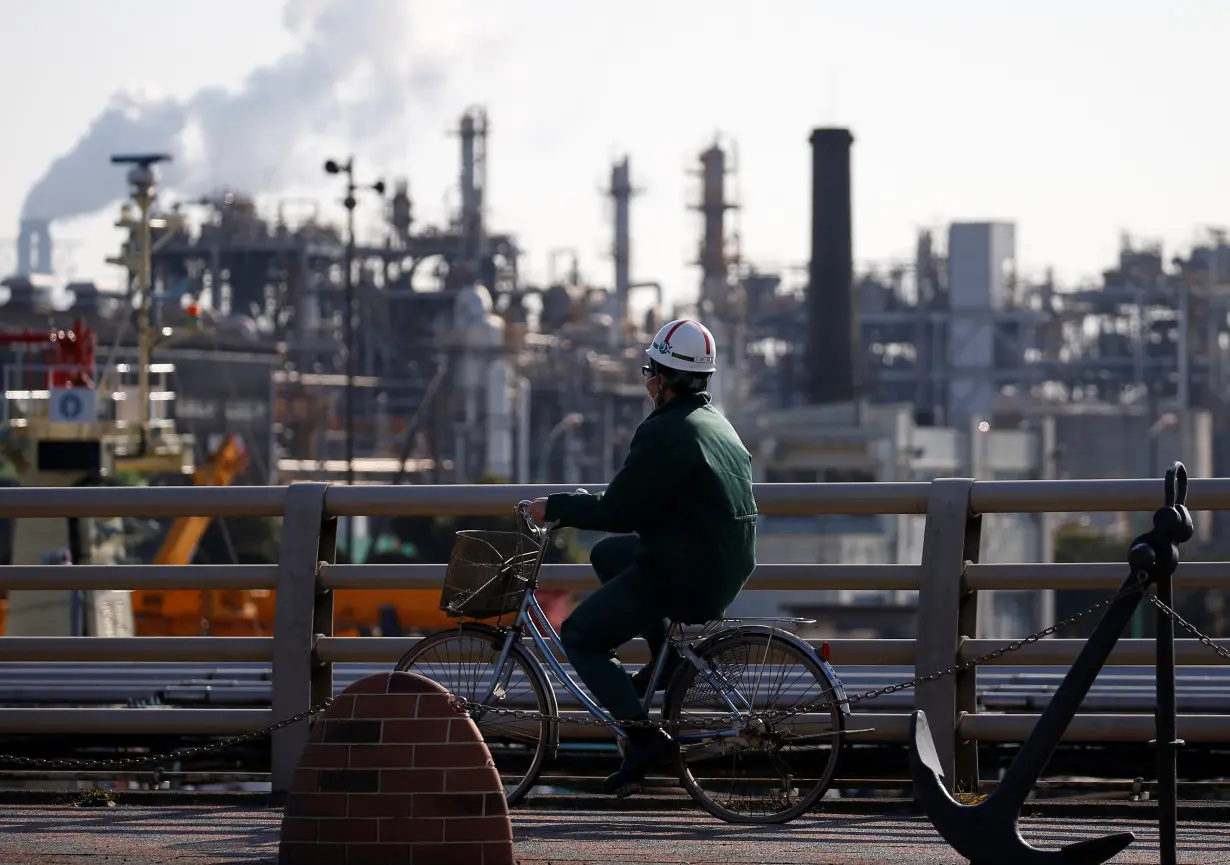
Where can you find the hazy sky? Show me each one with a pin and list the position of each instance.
(1077, 119)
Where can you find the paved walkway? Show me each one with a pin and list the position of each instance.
(213, 835)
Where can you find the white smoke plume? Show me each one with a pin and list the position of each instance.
(354, 77)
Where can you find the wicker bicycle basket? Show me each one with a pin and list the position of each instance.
(487, 573)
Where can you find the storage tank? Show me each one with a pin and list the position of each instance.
(500, 419)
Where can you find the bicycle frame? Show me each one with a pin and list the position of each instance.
(531, 618)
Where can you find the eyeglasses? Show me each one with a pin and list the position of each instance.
(646, 371)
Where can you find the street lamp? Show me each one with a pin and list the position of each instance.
(334, 167)
(569, 422)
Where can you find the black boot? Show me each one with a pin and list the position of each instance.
(646, 746)
(640, 680)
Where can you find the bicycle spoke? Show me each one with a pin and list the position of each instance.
(755, 773)
(464, 662)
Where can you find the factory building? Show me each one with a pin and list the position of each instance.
(949, 364)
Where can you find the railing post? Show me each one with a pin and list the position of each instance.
(947, 610)
(300, 613)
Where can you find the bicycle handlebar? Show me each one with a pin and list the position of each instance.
(523, 508)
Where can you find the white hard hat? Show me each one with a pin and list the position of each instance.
(684, 345)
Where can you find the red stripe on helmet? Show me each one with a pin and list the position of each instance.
(671, 332)
(703, 332)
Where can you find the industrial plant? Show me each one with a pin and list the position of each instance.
(424, 356)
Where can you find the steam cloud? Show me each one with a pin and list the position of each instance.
(353, 76)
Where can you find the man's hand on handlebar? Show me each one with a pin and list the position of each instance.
(538, 511)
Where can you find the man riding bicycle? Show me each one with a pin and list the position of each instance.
(684, 507)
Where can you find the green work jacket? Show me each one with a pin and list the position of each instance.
(686, 491)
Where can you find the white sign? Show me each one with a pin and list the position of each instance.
(72, 405)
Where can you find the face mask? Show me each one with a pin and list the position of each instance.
(660, 399)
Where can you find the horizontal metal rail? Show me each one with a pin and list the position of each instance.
(58, 577)
(389, 649)
(1102, 575)
(471, 500)
(86, 649)
(894, 727)
(581, 577)
(192, 501)
(1093, 496)
(843, 652)
(334, 650)
(1091, 728)
(1056, 496)
(1062, 653)
(216, 722)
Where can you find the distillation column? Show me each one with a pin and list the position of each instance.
(721, 295)
(621, 194)
(473, 133)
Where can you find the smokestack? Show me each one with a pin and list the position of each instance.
(34, 247)
(833, 354)
(621, 194)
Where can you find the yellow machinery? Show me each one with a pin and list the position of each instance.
(186, 532)
(189, 612)
(186, 612)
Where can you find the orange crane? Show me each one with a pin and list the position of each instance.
(189, 612)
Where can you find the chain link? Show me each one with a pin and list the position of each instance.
(75, 763)
(1190, 628)
(774, 715)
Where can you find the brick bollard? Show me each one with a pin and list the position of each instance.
(394, 774)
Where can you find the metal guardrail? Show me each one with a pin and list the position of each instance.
(304, 651)
(249, 684)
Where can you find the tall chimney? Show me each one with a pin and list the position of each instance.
(833, 354)
(621, 193)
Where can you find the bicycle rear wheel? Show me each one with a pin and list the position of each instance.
(463, 662)
(744, 770)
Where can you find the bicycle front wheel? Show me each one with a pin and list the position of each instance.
(742, 768)
(463, 663)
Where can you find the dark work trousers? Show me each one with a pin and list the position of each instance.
(628, 604)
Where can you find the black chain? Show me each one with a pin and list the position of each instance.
(75, 763)
(1190, 628)
(774, 715)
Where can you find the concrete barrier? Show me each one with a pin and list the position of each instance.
(392, 773)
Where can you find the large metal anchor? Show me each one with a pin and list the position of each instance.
(987, 833)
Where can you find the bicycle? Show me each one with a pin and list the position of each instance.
(492, 574)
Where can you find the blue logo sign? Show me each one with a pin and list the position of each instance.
(71, 405)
